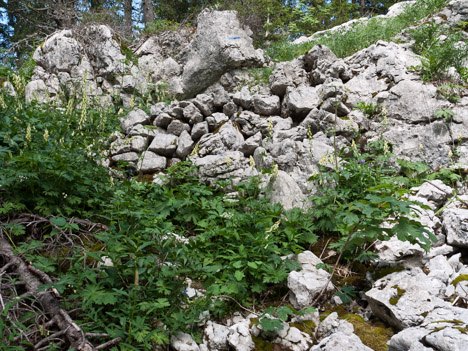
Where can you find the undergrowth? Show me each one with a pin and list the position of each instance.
(361, 36)
(140, 260)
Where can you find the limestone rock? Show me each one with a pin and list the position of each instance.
(216, 120)
(287, 74)
(36, 90)
(232, 165)
(199, 129)
(220, 44)
(402, 298)
(134, 117)
(216, 336)
(341, 342)
(266, 104)
(185, 145)
(455, 225)
(127, 157)
(183, 342)
(332, 324)
(176, 127)
(163, 120)
(305, 285)
(163, 143)
(433, 193)
(299, 101)
(103, 51)
(249, 146)
(152, 162)
(239, 337)
(228, 138)
(285, 191)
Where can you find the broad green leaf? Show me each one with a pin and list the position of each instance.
(239, 275)
(59, 221)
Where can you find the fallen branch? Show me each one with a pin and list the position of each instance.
(51, 307)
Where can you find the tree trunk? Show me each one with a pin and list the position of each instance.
(128, 12)
(148, 11)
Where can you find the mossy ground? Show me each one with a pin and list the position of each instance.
(373, 334)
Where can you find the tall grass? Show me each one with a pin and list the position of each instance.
(362, 35)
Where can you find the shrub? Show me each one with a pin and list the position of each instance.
(362, 200)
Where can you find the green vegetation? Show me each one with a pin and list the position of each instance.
(370, 110)
(361, 194)
(438, 52)
(361, 36)
(159, 26)
(373, 334)
(231, 248)
(123, 250)
(139, 260)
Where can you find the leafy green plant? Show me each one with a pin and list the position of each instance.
(356, 199)
(438, 53)
(369, 109)
(446, 114)
(273, 317)
(48, 158)
(134, 276)
(425, 36)
(452, 92)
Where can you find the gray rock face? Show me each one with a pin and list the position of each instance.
(455, 225)
(136, 143)
(287, 74)
(400, 103)
(219, 45)
(298, 102)
(36, 90)
(341, 342)
(164, 143)
(128, 157)
(402, 298)
(249, 146)
(456, 11)
(176, 127)
(239, 337)
(152, 162)
(104, 51)
(332, 324)
(59, 53)
(428, 142)
(185, 145)
(322, 63)
(305, 285)
(231, 165)
(266, 104)
(227, 138)
(183, 342)
(285, 191)
(433, 193)
(199, 130)
(395, 252)
(134, 117)
(440, 330)
(216, 336)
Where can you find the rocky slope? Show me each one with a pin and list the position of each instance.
(233, 127)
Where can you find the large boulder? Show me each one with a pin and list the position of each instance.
(220, 44)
